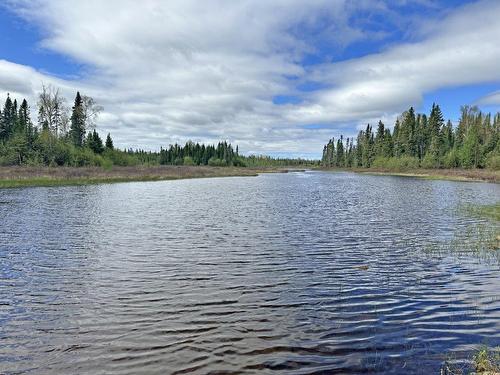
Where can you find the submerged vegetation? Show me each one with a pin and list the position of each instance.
(484, 361)
(480, 239)
(421, 141)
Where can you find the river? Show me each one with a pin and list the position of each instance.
(298, 273)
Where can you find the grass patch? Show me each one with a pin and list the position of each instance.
(483, 361)
(479, 239)
(15, 177)
(491, 211)
(48, 181)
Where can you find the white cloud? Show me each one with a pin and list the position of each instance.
(490, 99)
(178, 70)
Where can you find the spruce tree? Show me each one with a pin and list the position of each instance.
(8, 120)
(77, 129)
(109, 142)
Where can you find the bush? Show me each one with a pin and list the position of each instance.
(430, 161)
(215, 162)
(120, 158)
(452, 159)
(239, 162)
(107, 164)
(188, 160)
(85, 157)
(380, 162)
(397, 164)
(493, 161)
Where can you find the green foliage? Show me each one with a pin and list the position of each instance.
(452, 159)
(94, 142)
(77, 130)
(402, 163)
(418, 141)
(121, 158)
(493, 161)
(216, 162)
(188, 160)
(109, 142)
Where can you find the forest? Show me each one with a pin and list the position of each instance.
(421, 141)
(63, 136)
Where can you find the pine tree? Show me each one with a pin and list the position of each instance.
(109, 142)
(7, 120)
(380, 139)
(77, 130)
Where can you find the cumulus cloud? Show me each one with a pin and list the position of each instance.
(171, 71)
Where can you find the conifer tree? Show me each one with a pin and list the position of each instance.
(7, 120)
(109, 142)
(77, 130)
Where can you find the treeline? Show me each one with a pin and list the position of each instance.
(418, 140)
(60, 136)
(221, 155)
(66, 136)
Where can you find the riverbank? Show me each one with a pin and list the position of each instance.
(11, 177)
(484, 175)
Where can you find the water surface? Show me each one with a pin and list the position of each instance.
(241, 275)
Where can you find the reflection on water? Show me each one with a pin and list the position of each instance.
(298, 273)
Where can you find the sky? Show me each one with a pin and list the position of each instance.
(276, 77)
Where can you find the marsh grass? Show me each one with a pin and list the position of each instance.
(479, 239)
(12, 177)
(483, 361)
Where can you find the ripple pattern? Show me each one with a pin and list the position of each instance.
(303, 273)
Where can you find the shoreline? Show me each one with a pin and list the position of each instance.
(462, 175)
(21, 176)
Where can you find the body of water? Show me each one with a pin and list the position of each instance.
(297, 273)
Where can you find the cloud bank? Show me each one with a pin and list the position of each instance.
(169, 71)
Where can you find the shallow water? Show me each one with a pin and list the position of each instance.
(242, 275)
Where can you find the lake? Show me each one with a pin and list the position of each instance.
(298, 273)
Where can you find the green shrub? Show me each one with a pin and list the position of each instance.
(493, 161)
(107, 164)
(188, 160)
(215, 162)
(380, 162)
(397, 164)
(239, 162)
(452, 159)
(430, 161)
(120, 158)
(83, 157)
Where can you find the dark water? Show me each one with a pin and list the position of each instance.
(241, 275)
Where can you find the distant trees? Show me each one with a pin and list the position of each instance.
(421, 141)
(49, 142)
(199, 154)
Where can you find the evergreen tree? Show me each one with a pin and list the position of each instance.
(7, 122)
(109, 142)
(77, 130)
(94, 142)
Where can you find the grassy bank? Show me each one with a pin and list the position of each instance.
(433, 174)
(11, 177)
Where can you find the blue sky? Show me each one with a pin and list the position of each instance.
(277, 77)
